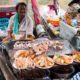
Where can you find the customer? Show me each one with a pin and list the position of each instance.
(20, 23)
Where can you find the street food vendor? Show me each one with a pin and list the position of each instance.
(20, 23)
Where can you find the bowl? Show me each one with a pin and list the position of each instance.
(36, 74)
(18, 36)
(43, 62)
(63, 59)
(64, 71)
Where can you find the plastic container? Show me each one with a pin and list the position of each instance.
(54, 21)
(4, 22)
(40, 30)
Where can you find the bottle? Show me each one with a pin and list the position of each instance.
(78, 18)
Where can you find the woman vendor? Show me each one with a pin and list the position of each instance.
(20, 23)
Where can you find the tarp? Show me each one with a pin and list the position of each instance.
(66, 31)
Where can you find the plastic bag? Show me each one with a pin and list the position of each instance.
(67, 32)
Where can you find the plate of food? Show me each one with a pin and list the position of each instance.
(23, 63)
(76, 56)
(23, 59)
(58, 45)
(24, 53)
(40, 48)
(63, 59)
(43, 62)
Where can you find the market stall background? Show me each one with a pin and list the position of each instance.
(41, 2)
(7, 9)
(8, 5)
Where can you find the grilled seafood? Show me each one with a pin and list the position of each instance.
(24, 53)
(43, 62)
(23, 63)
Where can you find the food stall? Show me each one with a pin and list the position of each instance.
(40, 59)
(43, 58)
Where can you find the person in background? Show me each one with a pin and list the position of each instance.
(74, 5)
(20, 23)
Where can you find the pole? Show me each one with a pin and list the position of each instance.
(56, 5)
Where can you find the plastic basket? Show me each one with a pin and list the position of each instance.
(4, 22)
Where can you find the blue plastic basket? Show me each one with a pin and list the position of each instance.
(4, 23)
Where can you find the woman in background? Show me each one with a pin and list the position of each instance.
(74, 5)
(20, 23)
